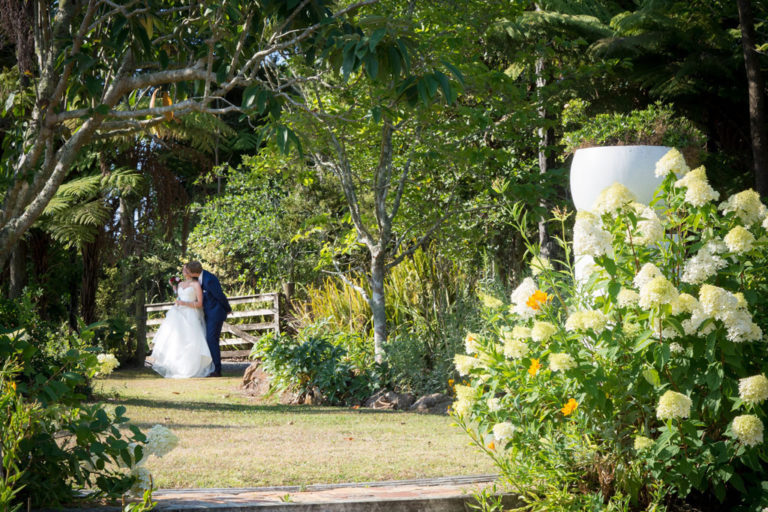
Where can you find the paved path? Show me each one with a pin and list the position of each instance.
(435, 494)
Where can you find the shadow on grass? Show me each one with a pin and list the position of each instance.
(224, 407)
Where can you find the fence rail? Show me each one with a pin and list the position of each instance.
(265, 317)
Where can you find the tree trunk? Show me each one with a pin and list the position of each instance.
(378, 306)
(91, 252)
(141, 326)
(73, 294)
(544, 238)
(127, 244)
(18, 270)
(756, 88)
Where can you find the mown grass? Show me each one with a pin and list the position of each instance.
(230, 440)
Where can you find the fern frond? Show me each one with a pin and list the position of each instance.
(537, 24)
(85, 186)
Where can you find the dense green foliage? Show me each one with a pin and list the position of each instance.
(55, 442)
(314, 364)
(656, 125)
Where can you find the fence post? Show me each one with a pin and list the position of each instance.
(276, 309)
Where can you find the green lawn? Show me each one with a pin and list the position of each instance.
(230, 440)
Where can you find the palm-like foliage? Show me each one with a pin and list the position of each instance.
(82, 205)
(679, 50)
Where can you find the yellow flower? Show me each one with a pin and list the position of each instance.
(535, 300)
(491, 446)
(13, 385)
(534, 368)
(569, 407)
(450, 382)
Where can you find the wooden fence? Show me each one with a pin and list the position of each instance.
(262, 313)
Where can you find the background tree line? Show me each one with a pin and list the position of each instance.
(332, 144)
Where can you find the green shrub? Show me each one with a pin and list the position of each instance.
(640, 379)
(311, 361)
(54, 441)
(655, 125)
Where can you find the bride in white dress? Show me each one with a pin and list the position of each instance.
(179, 348)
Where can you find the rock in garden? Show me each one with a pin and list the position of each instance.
(436, 403)
(385, 399)
(256, 381)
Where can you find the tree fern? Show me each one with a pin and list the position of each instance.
(80, 205)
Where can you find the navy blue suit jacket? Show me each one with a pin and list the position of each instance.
(215, 303)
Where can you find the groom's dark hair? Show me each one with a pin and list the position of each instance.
(194, 267)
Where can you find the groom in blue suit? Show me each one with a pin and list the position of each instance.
(215, 307)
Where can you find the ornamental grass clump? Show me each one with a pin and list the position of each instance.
(642, 378)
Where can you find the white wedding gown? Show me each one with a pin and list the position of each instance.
(179, 350)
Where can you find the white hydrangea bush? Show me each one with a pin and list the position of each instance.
(158, 442)
(645, 371)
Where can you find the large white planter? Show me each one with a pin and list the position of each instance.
(595, 169)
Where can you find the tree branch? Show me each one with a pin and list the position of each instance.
(359, 289)
(400, 190)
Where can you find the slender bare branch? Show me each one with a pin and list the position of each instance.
(400, 190)
(359, 289)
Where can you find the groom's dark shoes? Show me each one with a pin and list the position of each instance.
(214, 374)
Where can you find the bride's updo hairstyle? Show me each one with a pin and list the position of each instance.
(194, 267)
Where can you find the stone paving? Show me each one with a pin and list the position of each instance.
(436, 494)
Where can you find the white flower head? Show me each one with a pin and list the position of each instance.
(642, 443)
(739, 240)
(753, 390)
(746, 205)
(613, 199)
(143, 480)
(673, 405)
(716, 301)
(465, 397)
(107, 364)
(704, 264)
(561, 362)
(748, 429)
(494, 404)
(676, 348)
(740, 327)
(585, 320)
(649, 227)
(489, 301)
(656, 292)
(539, 264)
(589, 238)
(503, 431)
(520, 332)
(684, 303)
(673, 161)
(542, 331)
(698, 191)
(515, 349)
(631, 328)
(471, 345)
(160, 440)
(647, 272)
(465, 364)
(627, 297)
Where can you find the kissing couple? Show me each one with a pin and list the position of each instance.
(187, 343)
